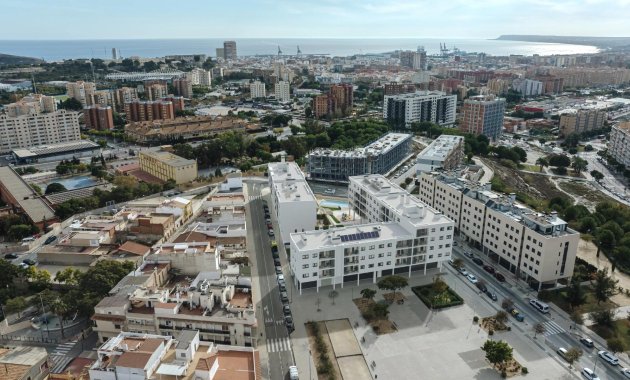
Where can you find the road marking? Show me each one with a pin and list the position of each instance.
(64, 348)
(278, 344)
(552, 328)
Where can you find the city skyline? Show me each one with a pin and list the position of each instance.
(301, 19)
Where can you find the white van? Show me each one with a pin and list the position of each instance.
(562, 352)
(28, 239)
(541, 306)
(293, 373)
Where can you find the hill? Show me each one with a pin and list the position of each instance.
(7, 59)
(600, 42)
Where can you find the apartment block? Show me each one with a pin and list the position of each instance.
(124, 95)
(323, 105)
(99, 117)
(138, 111)
(619, 145)
(165, 166)
(398, 88)
(177, 101)
(81, 91)
(379, 157)
(528, 87)
(32, 104)
(400, 235)
(344, 98)
(183, 87)
(39, 129)
(229, 50)
(446, 152)
(433, 106)
(292, 200)
(282, 90)
(155, 91)
(582, 119)
(538, 248)
(102, 98)
(188, 128)
(257, 90)
(200, 77)
(24, 363)
(483, 115)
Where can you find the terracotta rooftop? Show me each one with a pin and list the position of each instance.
(167, 305)
(233, 365)
(133, 359)
(134, 248)
(192, 236)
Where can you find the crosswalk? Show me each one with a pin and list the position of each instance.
(552, 328)
(278, 344)
(64, 348)
(254, 197)
(270, 321)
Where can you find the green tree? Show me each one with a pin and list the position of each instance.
(501, 317)
(15, 305)
(393, 283)
(604, 317)
(538, 328)
(559, 160)
(368, 293)
(615, 345)
(497, 352)
(69, 276)
(40, 279)
(598, 176)
(19, 231)
(71, 104)
(579, 165)
(458, 263)
(573, 354)
(55, 187)
(575, 294)
(61, 310)
(36, 188)
(604, 286)
(542, 162)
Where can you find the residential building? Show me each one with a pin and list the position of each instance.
(220, 52)
(156, 91)
(379, 157)
(165, 166)
(401, 235)
(183, 87)
(433, 106)
(282, 90)
(343, 94)
(414, 59)
(200, 77)
(582, 119)
(16, 192)
(125, 95)
(81, 91)
(178, 102)
(187, 128)
(38, 129)
(292, 200)
(99, 117)
(101, 97)
(528, 87)
(134, 356)
(229, 50)
(23, 363)
(483, 115)
(539, 248)
(498, 86)
(398, 88)
(551, 84)
(257, 90)
(324, 105)
(32, 104)
(446, 152)
(138, 111)
(619, 145)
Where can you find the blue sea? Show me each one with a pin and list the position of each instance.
(56, 50)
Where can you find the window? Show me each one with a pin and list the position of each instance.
(380, 264)
(381, 245)
(315, 255)
(372, 247)
(304, 266)
(389, 263)
(362, 266)
(371, 266)
(389, 245)
(314, 265)
(304, 257)
(305, 275)
(431, 248)
(381, 255)
(362, 248)
(314, 274)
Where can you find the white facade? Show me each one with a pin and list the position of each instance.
(283, 91)
(619, 145)
(402, 235)
(199, 77)
(40, 129)
(447, 151)
(257, 90)
(435, 106)
(539, 248)
(528, 87)
(293, 201)
(81, 91)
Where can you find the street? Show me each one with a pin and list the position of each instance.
(269, 309)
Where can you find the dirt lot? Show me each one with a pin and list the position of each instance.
(584, 193)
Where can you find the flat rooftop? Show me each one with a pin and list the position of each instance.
(35, 207)
(440, 148)
(285, 171)
(349, 236)
(168, 158)
(294, 192)
(55, 149)
(378, 147)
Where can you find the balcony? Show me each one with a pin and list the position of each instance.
(353, 260)
(213, 331)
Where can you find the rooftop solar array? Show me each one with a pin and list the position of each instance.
(359, 236)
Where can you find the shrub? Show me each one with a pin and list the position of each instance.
(503, 374)
(491, 332)
(524, 371)
(475, 319)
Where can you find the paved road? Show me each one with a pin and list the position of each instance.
(610, 185)
(271, 316)
(557, 334)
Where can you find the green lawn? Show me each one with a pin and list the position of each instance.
(428, 297)
(531, 168)
(558, 297)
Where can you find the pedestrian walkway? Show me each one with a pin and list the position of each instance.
(552, 328)
(254, 197)
(270, 321)
(278, 344)
(64, 348)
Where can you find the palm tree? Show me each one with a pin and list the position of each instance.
(579, 164)
(60, 309)
(542, 162)
(368, 293)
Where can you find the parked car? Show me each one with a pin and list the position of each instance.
(499, 277)
(468, 254)
(492, 295)
(589, 374)
(626, 372)
(11, 256)
(275, 254)
(481, 286)
(50, 239)
(489, 269)
(587, 342)
(540, 306)
(293, 373)
(286, 309)
(284, 297)
(471, 277)
(608, 357)
(477, 261)
(276, 262)
(29, 262)
(278, 270)
(451, 262)
(562, 352)
(463, 271)
(517, 315)
(282, 287)
(271, 233)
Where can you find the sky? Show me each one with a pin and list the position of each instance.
(134, 19)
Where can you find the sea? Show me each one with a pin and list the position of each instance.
(57, 50)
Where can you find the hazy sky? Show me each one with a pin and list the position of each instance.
(110, 19)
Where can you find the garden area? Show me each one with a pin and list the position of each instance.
(501, 358)
(321, 347)
(376, 313)
(437, 295)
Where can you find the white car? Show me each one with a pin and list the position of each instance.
(589, 374)
(626, 372)
(608, 357)
(463, 271)
(471, 277)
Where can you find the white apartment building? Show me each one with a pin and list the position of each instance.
(434, 106)
(619, 145)
(528, 87)
(282, 91)
(31, 105)
(38, 129)
(446, 152)
(292, 200)
(257, 90)
(401, 235)
(538, 248)
(200, 77)
(80, 90)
